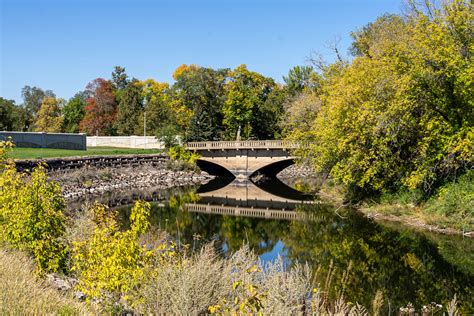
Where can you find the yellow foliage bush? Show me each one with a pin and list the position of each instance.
(111, 262)
(31, 215)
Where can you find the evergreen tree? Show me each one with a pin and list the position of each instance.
(130, 111)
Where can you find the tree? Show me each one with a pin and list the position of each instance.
(400, 114)
(101, 109)
(32, 100)
(201, 91)
(246, 92)
(49, 118)
(120, 82)
(299, 116)
(11, 116)
(120, 78)
(130, 111)
(74, 112)
(158, 107)
(269, 114)
(301, 78)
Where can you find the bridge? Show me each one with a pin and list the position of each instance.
(242, 159)
(245, 198)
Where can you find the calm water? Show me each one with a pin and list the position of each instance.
(360, 255)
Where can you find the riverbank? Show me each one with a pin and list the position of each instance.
(421, 217)
(397, 209)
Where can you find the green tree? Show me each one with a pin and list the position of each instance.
(49, 117)
(74, 112)
(32, 100)
(269, 114)
(301, 78)
(130, 111)
(11, 116)
(246, 92)
(119, 82)
(201, 90)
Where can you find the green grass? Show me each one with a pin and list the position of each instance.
(33, 153)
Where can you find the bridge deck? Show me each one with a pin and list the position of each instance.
(245, 144)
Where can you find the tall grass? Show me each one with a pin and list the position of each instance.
(21, 293)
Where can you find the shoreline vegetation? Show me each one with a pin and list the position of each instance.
(421, 217)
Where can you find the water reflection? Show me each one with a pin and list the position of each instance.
(359, 256)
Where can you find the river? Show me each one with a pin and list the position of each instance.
(349, 253)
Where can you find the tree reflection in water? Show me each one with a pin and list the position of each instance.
(361, 255)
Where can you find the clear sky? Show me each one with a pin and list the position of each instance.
(62, 45)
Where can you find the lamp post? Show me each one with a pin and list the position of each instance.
(144, 127)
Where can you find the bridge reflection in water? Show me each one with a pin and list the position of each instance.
(269, 198)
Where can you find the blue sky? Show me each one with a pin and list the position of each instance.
(62, 45)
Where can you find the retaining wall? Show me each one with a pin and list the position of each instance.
(91, 161)
(46, 140)
(124, 142)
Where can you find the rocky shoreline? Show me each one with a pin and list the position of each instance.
(92, 181)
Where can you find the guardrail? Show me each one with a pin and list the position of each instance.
(245, 144)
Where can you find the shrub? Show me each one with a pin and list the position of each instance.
(110, 263)
(456, 198)
(32, 218)
(180, 153)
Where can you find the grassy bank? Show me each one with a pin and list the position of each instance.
(35, 153)
(449, 210)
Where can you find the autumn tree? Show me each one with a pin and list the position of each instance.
(49, 117)
(400, 114)
(101, 109)
(130, 111)
(157, 105)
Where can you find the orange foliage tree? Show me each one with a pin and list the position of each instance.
(101, 108)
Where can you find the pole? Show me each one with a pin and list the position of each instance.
(144, 126)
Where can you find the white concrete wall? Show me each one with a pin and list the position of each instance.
(124, 142)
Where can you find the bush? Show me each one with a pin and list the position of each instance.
(180, 153)
(32, 218)
(456, 198)
(110, 263)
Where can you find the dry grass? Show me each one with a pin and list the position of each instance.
(21, 293)
(205, 280)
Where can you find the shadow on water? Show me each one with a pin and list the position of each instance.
(361, 256)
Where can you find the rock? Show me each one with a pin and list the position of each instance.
(58, 283)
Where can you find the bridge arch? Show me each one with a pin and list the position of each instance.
(244, 158)
(214, 169)
(274, 168)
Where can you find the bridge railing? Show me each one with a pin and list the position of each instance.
(244, 144)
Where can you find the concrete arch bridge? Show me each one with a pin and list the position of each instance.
(242, 159)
